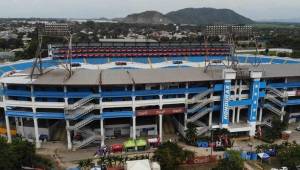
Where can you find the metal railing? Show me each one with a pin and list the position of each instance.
(199, 114)
(81, 111)
(84, 122)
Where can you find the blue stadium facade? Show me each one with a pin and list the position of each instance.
(112, 95)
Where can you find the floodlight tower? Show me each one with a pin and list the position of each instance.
(214, 30)
(53, 30)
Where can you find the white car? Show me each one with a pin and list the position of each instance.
(298, 128)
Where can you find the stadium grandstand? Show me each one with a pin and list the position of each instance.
(131, 89)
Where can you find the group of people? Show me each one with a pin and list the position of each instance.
(103, 151)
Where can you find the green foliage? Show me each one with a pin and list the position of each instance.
(289, 155)
(20, 153)
(232, 162)
(170, 155)
(191, 135)
(271, 134)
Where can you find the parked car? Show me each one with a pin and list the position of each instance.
(43, 138)
(298, 128)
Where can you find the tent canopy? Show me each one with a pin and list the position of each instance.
(129, 144)
(138, 165)
(141, 142)
(263, 155)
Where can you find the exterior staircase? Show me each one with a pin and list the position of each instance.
(82, 102)
(273, 109)
(199, 105)
(90, 137)
(199, 114)
(79, 112)
(274, 100)
(276, 92)
(200, 96)
(202, 127)
(84, 122)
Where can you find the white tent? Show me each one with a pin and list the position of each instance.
(263, 155)
(138, 165)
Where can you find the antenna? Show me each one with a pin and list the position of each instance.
(53, 30)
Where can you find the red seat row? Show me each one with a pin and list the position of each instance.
(161, 54)
(132, 50)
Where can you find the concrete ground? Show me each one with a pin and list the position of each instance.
(67, 159)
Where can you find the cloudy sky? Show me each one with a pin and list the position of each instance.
(255, 9)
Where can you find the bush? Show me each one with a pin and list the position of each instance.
(20, 153)
(170, 155)
(232, 162)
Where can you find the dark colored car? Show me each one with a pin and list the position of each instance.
(43, 137)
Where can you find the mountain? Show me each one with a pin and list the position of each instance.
(147, 17)
(205, 16)
(191, 16)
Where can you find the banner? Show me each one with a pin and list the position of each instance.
(166, 111)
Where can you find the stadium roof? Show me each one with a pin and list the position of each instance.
(83, 76)
(279, 70)
(130, 76)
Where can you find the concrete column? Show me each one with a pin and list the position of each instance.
(8, 129)
(32, 94)
(238, 115)
(210, 119)
(260, 114)
(254, 96)
(22, 127)
(282, 110)
(211, 105)
(160, 127)
(36, 132)
(134, 127)
(66, 98)
(186, 113)
(233, 115)
(102, 132)
(228, 76)
(240, 89)
(225, 104)
(68, 135)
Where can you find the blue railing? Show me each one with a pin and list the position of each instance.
(49, 115)
(78, 94)
(22, 93)
(240, 103)
(39, 115)
(293, 102)
(285, 85)
(117, 114)
(19, 113)
(50, 94)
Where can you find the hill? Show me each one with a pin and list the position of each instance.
(191, 16)
(205, 16)
(147, 17)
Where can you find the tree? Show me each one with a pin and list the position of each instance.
(274, 132)
(289, 155)
(170, 155)
(232, 162)
(191, 134)
(19, 154)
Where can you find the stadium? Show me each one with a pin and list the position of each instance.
(132, 89)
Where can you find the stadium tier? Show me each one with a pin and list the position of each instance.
(112, 96)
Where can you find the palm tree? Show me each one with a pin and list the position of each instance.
(191, 134)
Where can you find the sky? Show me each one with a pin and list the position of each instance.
(254, 9)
